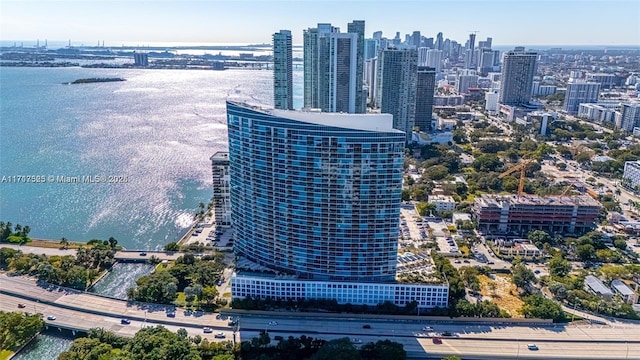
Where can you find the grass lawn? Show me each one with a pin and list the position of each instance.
(54, 244)
(4, 354)
(503, 292)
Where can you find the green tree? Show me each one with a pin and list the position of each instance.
(559, 266)
(383, 350)
(342, 349)
(521, 275)
(113, 242)
(537, 306)
(17, 328)
(586, 252)
(539, 238)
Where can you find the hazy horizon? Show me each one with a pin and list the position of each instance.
(509, 23)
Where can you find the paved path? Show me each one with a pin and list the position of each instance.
(119, 255)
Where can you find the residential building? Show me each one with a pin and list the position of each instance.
(595, 285)
(607, 81)
(579, 92)
(434, 59)
(511, 248)
(397, 81)
(516, 79)
(486, 61)
(141, 59)
(221, 189)
(282, 70)
(517, 215)
(370, 77)
(464, 82)
(443, 202)
(630, 116)
(631, 175)
(332, 81)
(598, 113)
(357, 27)
(315, 200)
(491, 101)
(371, 48)
(425, 90)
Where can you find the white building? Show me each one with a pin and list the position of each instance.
(372, 294)
(442, 202)
(595, 285)
(630, 116)
(597, 112)
(631, 174)
(464, 82)
(579, 92)
(491, 101)
(434, 59)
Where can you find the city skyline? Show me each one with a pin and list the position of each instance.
(115, 22)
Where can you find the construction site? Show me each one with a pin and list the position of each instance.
(516, 215)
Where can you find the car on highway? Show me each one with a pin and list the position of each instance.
(532, 346)
(207, 330)
(437, 340)
(171, 313)
(51, 317)
(125, 321)
(273, 323)
(366, 326)
(143, 254)
(218, 316)
(447, 333)
(21, 306)
(220, 335)
(356, 341)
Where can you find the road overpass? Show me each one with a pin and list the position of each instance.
(473, 341)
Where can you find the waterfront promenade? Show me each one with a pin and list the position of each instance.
(78, 310)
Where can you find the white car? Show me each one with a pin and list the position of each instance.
(532, 346)
(51, 317)
(427, 328)
(220, 335)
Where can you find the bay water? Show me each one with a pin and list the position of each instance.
(152, 135)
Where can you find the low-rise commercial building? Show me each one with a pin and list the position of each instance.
(517, 215)
(443, 202)
(592, 283)
(628, 295)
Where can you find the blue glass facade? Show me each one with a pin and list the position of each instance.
(317, 201)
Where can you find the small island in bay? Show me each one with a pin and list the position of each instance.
(93, 80)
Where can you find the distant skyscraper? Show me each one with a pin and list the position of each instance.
(516, 81)
(425, 91)
(472, 46)
(422, 56)
(141, 59)
(434, 59)
(464, 82)
(428, 42)
(439, 42)
(357, 27)
(580, 92)
(331, 74)
(485, 61)
(377, 35)
(282, 70)
(397, 80)
(416, 39)
(370, 48)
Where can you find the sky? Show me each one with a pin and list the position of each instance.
(138, 22)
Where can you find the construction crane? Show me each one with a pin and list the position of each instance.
(522, 167)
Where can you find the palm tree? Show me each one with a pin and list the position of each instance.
(26, 230)
(64, 242)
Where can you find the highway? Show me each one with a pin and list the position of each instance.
(84, 311)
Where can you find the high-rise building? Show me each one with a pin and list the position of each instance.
(357, 27)
(315, 201)
(518, 70)
(331, 74)
(434, 59)
(439, 42)
(425, 91)
(422, 56)
(141, 59)
(471, 63)
(371, 75)
(428, 42)
(396, 94)
(221, 189)
(466, 81)
(282, 70)
(416, 39)
(370, 48)
(630, 116)
(485, 61)
(579, 92)
(377, 35)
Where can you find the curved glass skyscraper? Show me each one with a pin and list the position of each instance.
(316, 195)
